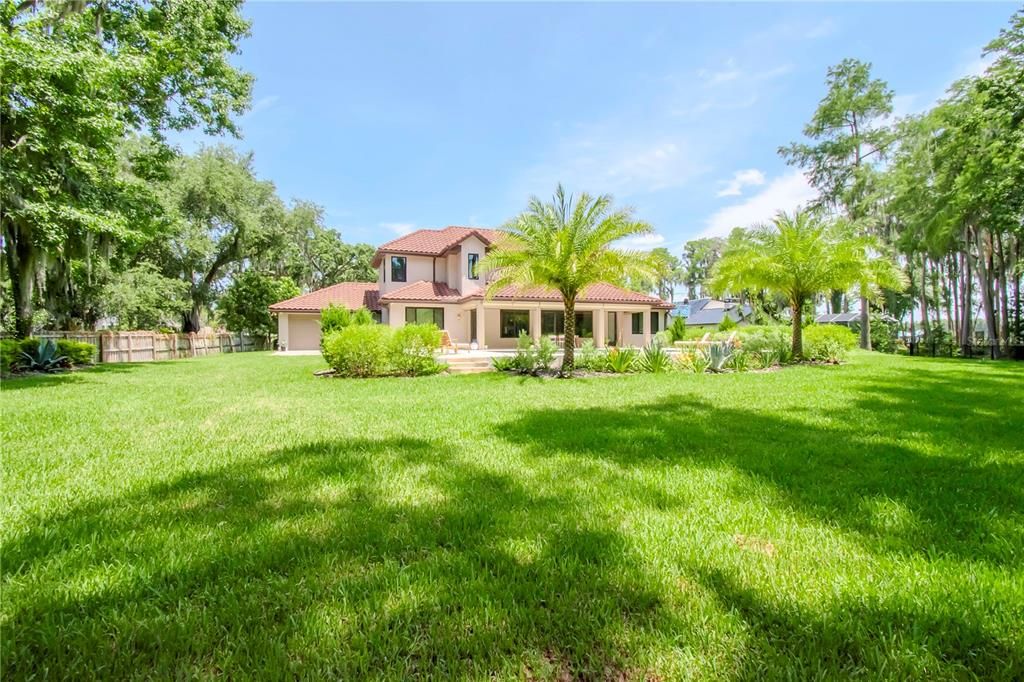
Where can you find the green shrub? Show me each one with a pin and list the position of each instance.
(413, 348)
(828, 342)
(364, 316)
(10, 351)
(546, 350)
(78, 352)
(726, 324)
(590, 359)
(362, 350)
(533, 358)
(503, 364)
(776, 339)
(677, 329)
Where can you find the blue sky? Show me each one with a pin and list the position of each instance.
(401, 116)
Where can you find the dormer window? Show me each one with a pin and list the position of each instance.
(474, 258)
(398, 268)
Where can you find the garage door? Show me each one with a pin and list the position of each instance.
(304, 332)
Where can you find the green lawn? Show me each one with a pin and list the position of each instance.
(235, 516)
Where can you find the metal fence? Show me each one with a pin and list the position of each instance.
(144, 346)
(982, 351)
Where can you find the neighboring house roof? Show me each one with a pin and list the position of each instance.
(424, 291)
(709, 311)
(352, 295)
(434, 242)
(837, 318)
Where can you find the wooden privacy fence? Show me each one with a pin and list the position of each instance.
(150, 346)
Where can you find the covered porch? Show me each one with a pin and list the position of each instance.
(496, 325)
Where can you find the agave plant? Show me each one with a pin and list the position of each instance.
(654, 359)
(718, 355)
(43, 358)
(621, 360)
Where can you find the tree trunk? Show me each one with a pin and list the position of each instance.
(967, 323)
(191, 321)
(798, 329)
(569, 346)
(21, 268)
(1002, 291)
(924, 297)
(865, 323)
(985, 286)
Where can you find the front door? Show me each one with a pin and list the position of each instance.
(472, 326)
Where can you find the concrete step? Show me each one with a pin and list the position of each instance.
(469, 369)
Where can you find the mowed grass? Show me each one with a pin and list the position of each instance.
(236, 517)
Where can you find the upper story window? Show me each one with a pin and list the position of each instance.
(398, 268)
(474, 273)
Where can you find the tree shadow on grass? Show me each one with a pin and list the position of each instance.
(959, 504)
(17, 382)
(344, 559)
(868, 638)
(966, 506)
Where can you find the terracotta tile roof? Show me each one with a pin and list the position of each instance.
(352, 295)
(423, 291)
(433, 242)
(595, 293)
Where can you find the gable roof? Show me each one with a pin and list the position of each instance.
(352, 295)
(434, 242)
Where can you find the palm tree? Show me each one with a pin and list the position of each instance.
(878, 273)
(799, 256)
(566, 245)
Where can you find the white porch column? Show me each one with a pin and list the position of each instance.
(624, 319)
(480, 325)
(396, 315)
(600, 327)
(647, 327)
(535, 323)
(282, 331)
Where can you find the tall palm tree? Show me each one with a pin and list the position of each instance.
(798, 256)
(567, 245)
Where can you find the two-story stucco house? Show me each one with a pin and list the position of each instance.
(432, 276)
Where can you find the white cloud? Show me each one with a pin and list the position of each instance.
(823, 29)
(609, 160)
(784, 193)
(976, 65)
(643, 241)
(399, 228)
(264, 103)
(776, 72)
(741, 179)
(729, 73)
